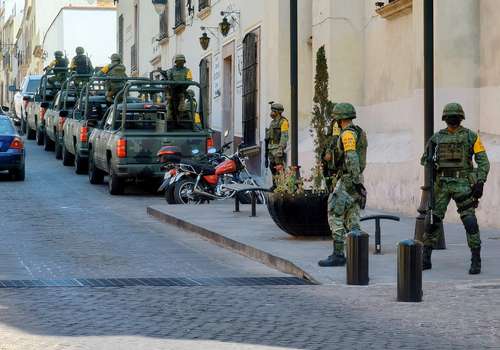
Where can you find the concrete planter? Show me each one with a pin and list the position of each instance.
(301, 214)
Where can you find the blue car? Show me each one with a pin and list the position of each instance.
(11, 149)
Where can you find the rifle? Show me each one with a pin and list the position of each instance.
(432, 158)
(266, 151)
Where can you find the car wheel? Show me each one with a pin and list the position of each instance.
(116, 185)
(39, 137)
(18, 174)
(30, 133)
(67, 157)
(48, 144)
(96, 176)
(58, 148)
(169, 194)
(183, 190)
(81, 165)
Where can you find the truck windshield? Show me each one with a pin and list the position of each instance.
(6, 127)
(141, 120)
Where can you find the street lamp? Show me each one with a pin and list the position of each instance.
(204, 41)
(224, 27)
(159, 5)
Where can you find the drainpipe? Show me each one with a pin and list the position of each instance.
(294, 83)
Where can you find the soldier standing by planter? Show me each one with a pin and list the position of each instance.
(450, 152)
(276, 140)
(349, 194)
(114, 70)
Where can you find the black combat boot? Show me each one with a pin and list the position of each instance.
(475, 262)
(336, 259)
(426, 258)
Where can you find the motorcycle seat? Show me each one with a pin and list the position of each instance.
(204, 168)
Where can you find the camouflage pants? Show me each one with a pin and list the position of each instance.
(343, 214)
(460, 191)
(276, 158)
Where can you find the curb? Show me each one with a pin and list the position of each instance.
(246, 250)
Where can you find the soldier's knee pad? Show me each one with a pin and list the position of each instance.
(470, 224)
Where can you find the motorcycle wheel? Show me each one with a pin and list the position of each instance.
(182, 190)
(169, 194)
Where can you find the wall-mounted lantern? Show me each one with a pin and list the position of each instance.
(224, 27)
(159, 5)
(204, 41)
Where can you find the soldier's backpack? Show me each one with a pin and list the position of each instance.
(82, 65)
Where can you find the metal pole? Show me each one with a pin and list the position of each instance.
(428, 108)
(294, 83)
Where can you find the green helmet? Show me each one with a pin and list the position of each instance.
(453, 109)
(179, 58)
(116, 58)
(278, 107)
(191, 93)
(58, 54)
(80, 50)
(344, 111)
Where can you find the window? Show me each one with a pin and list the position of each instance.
(205, 90)
(180, 13)
(164, 24)
(203, 4)
(250, 88)
(120, 35)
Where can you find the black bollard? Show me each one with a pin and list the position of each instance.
(441, 243)
(410, 271)
(357, 258)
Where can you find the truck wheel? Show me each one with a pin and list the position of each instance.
(182, 192)
(169, 195)
(30, 133)
(67, 157)
(96, 176)
(116, 185)
(39, 137)
(48, 144)
(58, 148)
(81, 165)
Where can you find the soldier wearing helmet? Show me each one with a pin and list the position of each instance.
(451, 151)
(276, 139)
(349, 194)
(59, 67)
(117, 71)
(81, 64)
(177, 95)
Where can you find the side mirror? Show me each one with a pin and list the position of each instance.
(5, 108)
(63, 114)
(44, 105)
(12, 88)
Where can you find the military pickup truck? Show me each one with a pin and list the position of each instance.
(135, 127)
(60, 110)
(88, 112)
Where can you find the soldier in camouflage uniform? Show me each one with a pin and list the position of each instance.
(328, 157)
(277, 139)
(59, 66)
(177, 98)
(349, 193)
(452, 150)
(81, 65)
(114, 70)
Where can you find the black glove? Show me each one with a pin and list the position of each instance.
(477, 190)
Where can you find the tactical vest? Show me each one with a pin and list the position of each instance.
(361, 145)
(117, 70)
(453, 151)
(275, 131)
(178, 74)
(61, 63)
(82, 65)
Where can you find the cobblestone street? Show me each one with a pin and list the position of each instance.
(57, 226)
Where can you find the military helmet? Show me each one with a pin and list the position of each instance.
(180, 57)
(344, 111)
(453, 109)
(58, 54)
(278, 107)
(191, 92)
(116, 58)
(80, 50)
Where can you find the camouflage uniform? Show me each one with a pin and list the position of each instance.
(177, 99)
(344, 202)
(277, 138)
(60, 68)
(452, 151)
(114, 70)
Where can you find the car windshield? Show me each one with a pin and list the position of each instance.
(6, 127)
(33, 85)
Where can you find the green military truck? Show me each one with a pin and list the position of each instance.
(135, 127)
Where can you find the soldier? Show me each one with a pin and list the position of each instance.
(81, 64)
(59, 66)
(114, 70)
(349, 194)
(451, 151)
(276, 140)
(329, 158)
(179, 72)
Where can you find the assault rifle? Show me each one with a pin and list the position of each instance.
(266, 152)
(432, 158)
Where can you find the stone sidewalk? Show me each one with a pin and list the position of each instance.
(260, 239)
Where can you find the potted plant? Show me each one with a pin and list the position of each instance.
(295, 209)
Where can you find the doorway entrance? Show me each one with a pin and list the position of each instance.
(228, 94)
